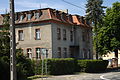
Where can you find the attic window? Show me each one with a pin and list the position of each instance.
(29, 16)
(16, 17)
(37, 15)
(62, 16)
(21, 17)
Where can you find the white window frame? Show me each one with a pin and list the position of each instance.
(37, 34)
(37, 15)
(29, 16)
(29, 53)
(21, 17)
(20, 35)
(38, 53)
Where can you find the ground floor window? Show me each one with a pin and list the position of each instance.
(38, 53)
(59, 52)
(65, 52)
(29, 53)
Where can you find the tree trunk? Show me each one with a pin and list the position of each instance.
(116, 56)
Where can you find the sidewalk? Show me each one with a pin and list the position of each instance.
(80, 76)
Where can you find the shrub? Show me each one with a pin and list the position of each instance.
(92, 65)
(25, 67)
(4, 70)
(57, 66)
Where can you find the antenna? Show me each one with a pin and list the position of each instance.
(40, 4)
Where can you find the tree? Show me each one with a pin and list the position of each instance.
(109, 35)
(4, 38)
(24, 65)
(95, 14)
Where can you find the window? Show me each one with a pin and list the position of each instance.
(59, 52)
(29, 16)
(20, 35)
(71, 36)
(37, 15)
(84, 54)
(58, 33)
(29, 53)
(83, 36)
(21, 17)
(38, 53)
(37, 34)
(16, 17)
(65, 52)
(64, 34)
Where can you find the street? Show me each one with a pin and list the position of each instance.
(114, 75)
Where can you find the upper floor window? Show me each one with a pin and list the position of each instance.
(29, 53)
(21, 17)
(71, 35)
(38, 53)
(65, 52)
(37, 15)
(29, 16)
(20, 35)
(83, 36)
(37, 34)
(58, 33)
(64, 34)
(59, 52)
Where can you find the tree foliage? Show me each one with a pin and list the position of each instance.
(94, 11)
(24, 65)
(109, 35)
(95, 14)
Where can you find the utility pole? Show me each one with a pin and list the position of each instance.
(13, 75)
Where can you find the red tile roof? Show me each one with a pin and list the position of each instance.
(48, 14)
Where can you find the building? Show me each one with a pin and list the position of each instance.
(111, 58)
(62, 34)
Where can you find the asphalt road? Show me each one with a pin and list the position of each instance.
(114, 75)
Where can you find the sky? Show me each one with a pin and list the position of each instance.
(23, 5)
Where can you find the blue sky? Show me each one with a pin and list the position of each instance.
(22, 5)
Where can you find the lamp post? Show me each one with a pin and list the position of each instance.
(12, 43)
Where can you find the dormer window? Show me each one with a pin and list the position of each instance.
(29, 16)
(37, 15)
(16, 17)
(21, 17)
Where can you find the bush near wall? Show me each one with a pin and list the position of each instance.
(92, 65)
(4, 70)
(57, 66)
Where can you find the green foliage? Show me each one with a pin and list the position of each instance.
(92, 65)
(4, 70)
(94, 11)
(58, 66)
(109, 35)
(25, 67)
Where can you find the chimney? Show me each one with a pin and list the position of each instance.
(65, 11)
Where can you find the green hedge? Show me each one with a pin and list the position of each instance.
(57, 66)
(4, 70)
(92, 65)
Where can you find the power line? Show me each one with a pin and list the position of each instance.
(73, 4)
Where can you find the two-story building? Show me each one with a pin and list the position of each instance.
(62, 34)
